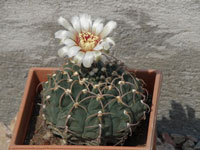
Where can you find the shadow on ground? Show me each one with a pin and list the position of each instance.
(181, 120)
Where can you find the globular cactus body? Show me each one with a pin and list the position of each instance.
(97, 106)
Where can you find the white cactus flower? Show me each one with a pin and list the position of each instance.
(84, 39)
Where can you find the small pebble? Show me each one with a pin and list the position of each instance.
(194, 139)
(189, 148)
(197, 147)
(188, 144)
(4, 136)
(178, 138)
(168, 139)
(47, 136)
(165, 146)
(63, 142)
(158, 141)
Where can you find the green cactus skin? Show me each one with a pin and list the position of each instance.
(97, 106)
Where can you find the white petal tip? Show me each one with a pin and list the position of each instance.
(108, 28)
(60, 20)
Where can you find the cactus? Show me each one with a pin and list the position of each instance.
(100, 105)
(91, 101)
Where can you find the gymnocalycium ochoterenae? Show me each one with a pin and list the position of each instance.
(92, 100)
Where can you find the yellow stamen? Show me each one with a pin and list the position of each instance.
(87, 41)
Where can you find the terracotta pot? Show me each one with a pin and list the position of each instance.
(36, 75)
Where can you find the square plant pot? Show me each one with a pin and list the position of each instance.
(152, 79)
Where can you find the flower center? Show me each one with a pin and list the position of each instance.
(87, 41)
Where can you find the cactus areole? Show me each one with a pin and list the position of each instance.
(93, 99)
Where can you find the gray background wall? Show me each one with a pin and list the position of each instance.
(158, 34)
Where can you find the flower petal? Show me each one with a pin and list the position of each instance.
(97, 26)
(76, 23)
(99, 29)
(105, 44)
(108, 28)
(88, 59)
(86, 22)
(104, 59)
(62, 21)
(79, 57)
(63, 34)
(108, 43)
(69, 42)
(73, 51)
(63, 51)
(98, 47)
(110, 40)
(97, 55)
